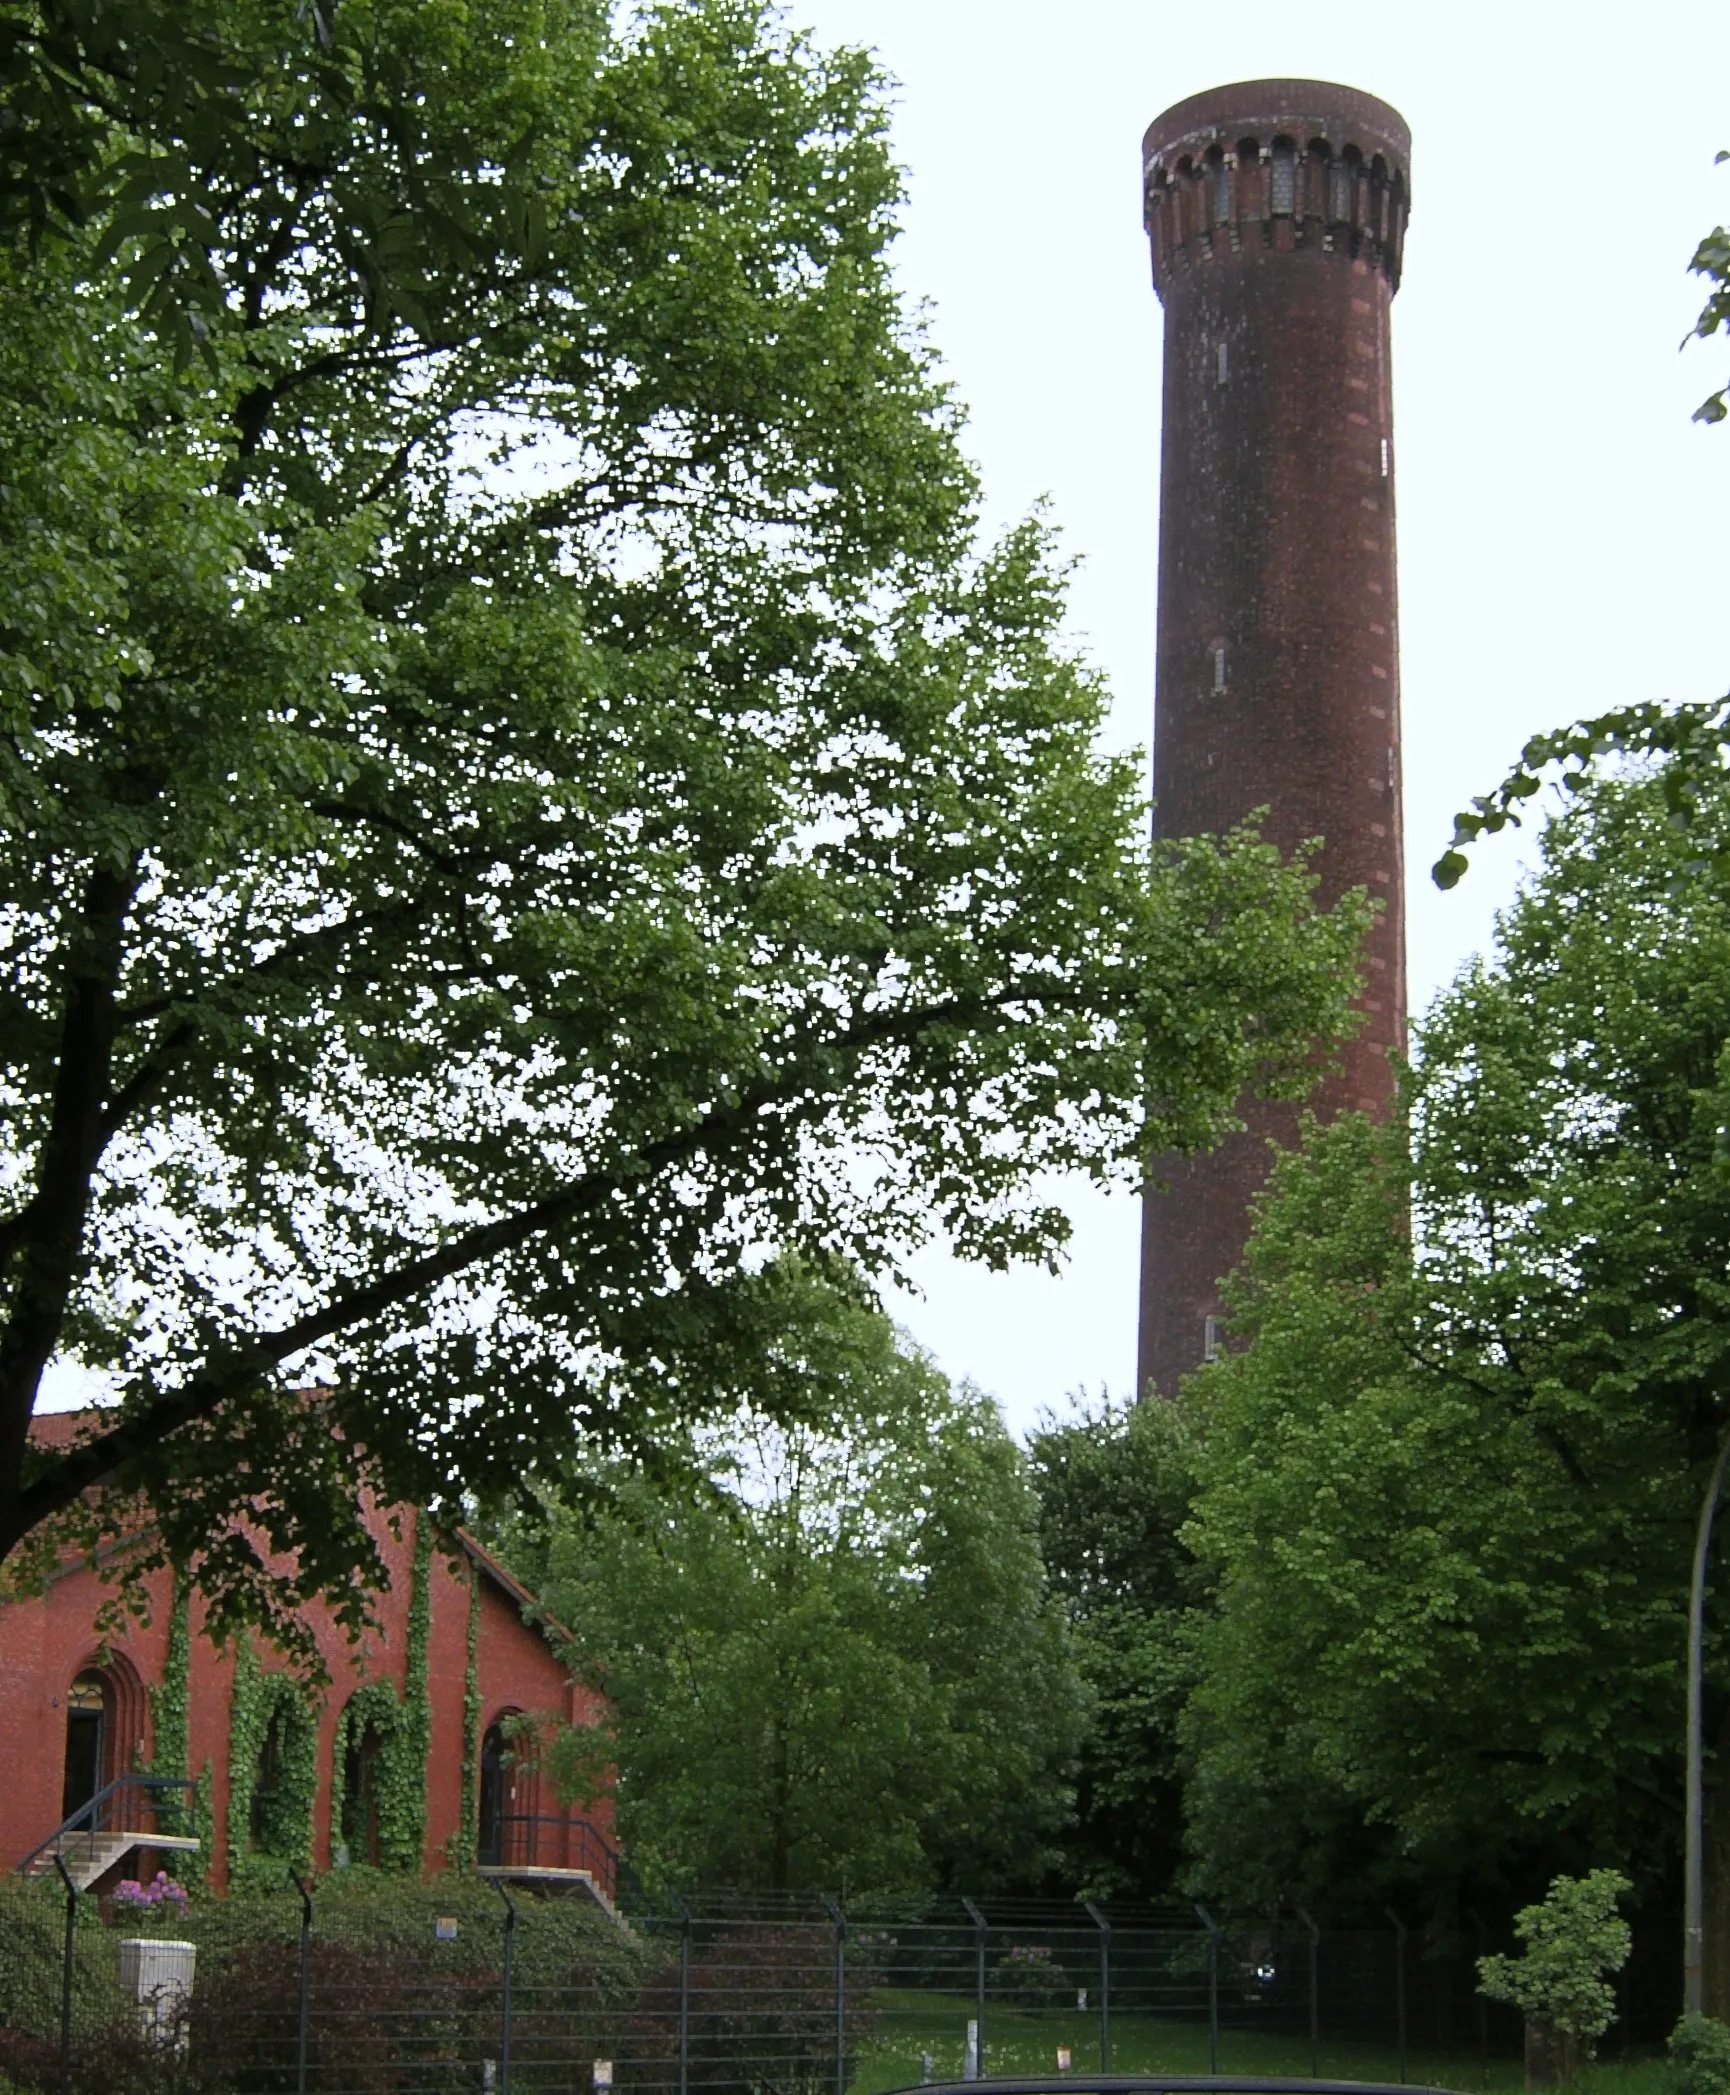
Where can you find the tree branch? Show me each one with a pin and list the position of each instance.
(301, 946)
(241, 1366)
(49, 1233)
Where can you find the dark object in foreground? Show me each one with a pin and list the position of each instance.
(1083, 2083)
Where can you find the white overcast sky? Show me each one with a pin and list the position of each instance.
(1561, 530)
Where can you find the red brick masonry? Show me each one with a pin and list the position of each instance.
(1276, 213)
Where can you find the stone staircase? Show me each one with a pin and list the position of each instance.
(89, 1849)
(90, 1856)
(559, 1880)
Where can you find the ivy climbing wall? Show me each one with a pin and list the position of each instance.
(450, 1654)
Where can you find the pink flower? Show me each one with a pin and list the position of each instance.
(160, 1889)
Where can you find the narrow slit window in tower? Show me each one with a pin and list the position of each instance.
(1284, 180)
(1384, 458)
(1224, 364)
(1210, 1338)
(1219, 667)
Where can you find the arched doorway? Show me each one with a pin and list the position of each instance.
(495, 1782)
(87, 1741)
(360, 1793)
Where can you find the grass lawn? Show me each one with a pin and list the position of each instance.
(910, 2022)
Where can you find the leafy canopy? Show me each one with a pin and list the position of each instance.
(1114, 1486)
(830, 1657)
(520, 795)
(1448, 1487)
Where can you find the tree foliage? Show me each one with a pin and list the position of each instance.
(1699, 2055)
(1448, 1487)
(1574, 1943)
(1114, 1487)
(519, 789)
(1712, 261)
(831, 1660)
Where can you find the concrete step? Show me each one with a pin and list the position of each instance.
(89, 1856)
(556, 1879)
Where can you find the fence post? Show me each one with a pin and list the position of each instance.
(1399, 1983)
(66, 1974)
(979, 1924)
(1104, 1926)
(505, 2016)
(840, 1920)
(1315, 1934)
(1212, 1927)
(684, 1994)
(305, 1957)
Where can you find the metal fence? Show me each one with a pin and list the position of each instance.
(370, 1986)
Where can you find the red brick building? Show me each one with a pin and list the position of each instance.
(408, 1758)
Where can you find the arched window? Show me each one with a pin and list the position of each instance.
(1316, 163)
(1219, 174)
(267, 1781)
(87, 1741)
(272, 1790)
(1342, 186)
(360, 1794)
(1284, 178)
(1187, 216)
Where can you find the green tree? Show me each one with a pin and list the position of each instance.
(1575, 1942)
(1114, 1487)
(831, 1659)
(519, 788)
(1448, 1485)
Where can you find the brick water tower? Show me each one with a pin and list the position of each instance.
(1276, 210)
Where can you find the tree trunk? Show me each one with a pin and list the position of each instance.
(1715, 1900)
(1553, 2059)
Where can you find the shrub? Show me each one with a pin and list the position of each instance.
(374, 2012)
(1700, 2054)
(391, 2005)
(1028, 1975)
(32, 1943)
(1573, 1941)
(117, 2060)
(762, 2017)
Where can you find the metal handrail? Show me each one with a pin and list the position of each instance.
(88, 1818)
(564, 1833)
